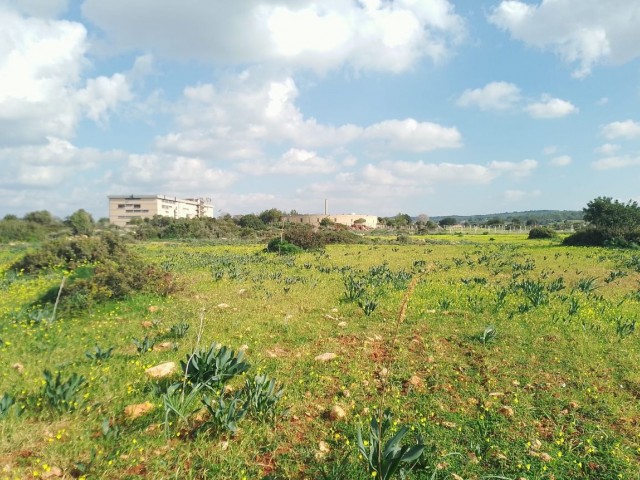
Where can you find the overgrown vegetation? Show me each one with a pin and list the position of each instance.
(94, 270)
(612, 223)
(514, 359)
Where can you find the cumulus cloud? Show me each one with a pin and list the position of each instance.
(561, 161)
(388, 36)
(616, 162)
(411, 135)
(293, 162)
(549, 107)
(42, 90)
(517, 195)
(48, 166)
(515, 169)
(180, 174)
(608, 149)
(241, 116)
(40, 8)
(582, 32)
(493, 96)
(627, 129)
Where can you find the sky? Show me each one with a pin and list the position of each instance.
(434, 107)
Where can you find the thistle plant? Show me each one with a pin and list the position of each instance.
(59, 394)
(262, 394)
(98, 354)
(225, 414)
(214, 366)
(145, 345)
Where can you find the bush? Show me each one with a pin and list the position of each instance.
(304, 237)
(102, 269)
(589, 237)
(541, 232)
(282, 247)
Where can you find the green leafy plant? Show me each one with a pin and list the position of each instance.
(214, 366)
(367, 304)
(391, 457)
(262, 394)
(98, 354)
(178, 330)
(625, 328)
(225, 414)
(109, 430)
(488, 334)
(6, 403)
(587, 285)
(60, 395)
(180, 404)
(145, 345)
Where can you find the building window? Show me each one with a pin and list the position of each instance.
(136, 205)
(121, 205)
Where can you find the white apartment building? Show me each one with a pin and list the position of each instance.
(122, 209)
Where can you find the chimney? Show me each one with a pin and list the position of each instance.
(326, 207)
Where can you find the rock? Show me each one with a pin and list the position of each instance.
(415, 381)
(243, 348)
(161, 347)
(383, 372)
(153, 309)
(18, 367)
(223, 306)
(334, 310)
(456, 477)
(137, 410)
(342, 324)
(146, 324)
(337, 413)
(162, 371)
(545, 457)
(506, 411)
(53, 472)
(242, 291)
(323, 447)
(326, 357)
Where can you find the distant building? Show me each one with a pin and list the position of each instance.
(122, 209)
(350, 220)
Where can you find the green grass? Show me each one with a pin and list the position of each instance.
(553, 395)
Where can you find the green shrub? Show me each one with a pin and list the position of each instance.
(282, 247)
(541, 232)
(589, 237)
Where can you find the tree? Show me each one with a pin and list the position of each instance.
(611, 223)
(447, 222)
(612, 217)
(81, 222)
(43, 217)
(251, 221)
(273, 215)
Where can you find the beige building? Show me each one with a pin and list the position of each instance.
(350, 220)
(122, 209)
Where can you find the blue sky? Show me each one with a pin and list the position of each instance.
(415, 106)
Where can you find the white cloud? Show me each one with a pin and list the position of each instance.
(608, 149)
(42, 92)
(550, 150)
(52, 165)
(611, 163)
(581, 32)
(411, 135)
(293, 162)
(102, 95)
(550, 108)
(179, 175)
(388, 36)
(40, 63)
(516, 169)
(561, 161)
(239, 118)
(627, 129)
(493, 96)
(517, 195)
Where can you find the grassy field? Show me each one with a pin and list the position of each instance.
(515, 359)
